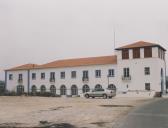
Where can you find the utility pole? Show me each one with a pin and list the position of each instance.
(114, 34)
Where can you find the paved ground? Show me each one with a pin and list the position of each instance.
(151, 115)
(52, 112)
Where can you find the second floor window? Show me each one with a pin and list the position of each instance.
(148, 52)
(62, 75)
(111, 73)
(85, 74)
(98, 73)
(10, 76)
(73, 74)
(33, 76)
(125, 54)
(126, 72)
(147, 71)
(20, 77)
(43, 75)
(52, 75)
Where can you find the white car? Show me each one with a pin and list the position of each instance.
(100, 93)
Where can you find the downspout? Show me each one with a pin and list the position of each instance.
(28, 81)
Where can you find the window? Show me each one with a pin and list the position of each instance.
(73, 74)
(34, 89)
(53, 89)
(148, 52)
(98, 87)
(125, 54)
(85, 74)
(111, 73)
(74, 90)
(10, 76)
(63, 90)
(42, 75)
(98, 73)
(147, 71)
(147, 86)
(161, 53)
(20, 77)
(52, 76)
(20, 89)
(126, 72)
(136, 53)
(42, 89)
(112, 87)
(33, 76)
(62, 75)
(85, 88)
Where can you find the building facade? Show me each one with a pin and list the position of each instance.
(138, 67)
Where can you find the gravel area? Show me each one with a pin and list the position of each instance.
(54, 112)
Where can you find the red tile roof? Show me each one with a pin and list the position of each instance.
(70, 63)
(23, 67)
(140, 44)
(81, 62)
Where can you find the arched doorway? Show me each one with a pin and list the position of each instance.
(74, 90)
(43, 89)
(98, 86)
(85, 88)
(34, 89)
(20, 89)
(63, 90)
(53, 89)
(112, 87)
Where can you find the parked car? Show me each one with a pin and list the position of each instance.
(105, 93)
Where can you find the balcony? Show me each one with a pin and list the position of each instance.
(52, 80)
(20, 81)
(126, 78)
(85, 79)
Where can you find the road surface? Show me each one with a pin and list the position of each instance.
(150, 115)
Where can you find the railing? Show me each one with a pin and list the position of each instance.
(20, 80)
(85, 79)
(52, 79)
(126, 78)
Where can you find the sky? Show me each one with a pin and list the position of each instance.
(41, 31)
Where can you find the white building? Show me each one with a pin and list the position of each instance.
(139, 67)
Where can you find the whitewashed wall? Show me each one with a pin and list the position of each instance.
(68, 81)
(137, 82)
(12, 84)
(138, 77)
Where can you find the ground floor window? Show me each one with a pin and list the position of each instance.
(85, 88)
(43, 89)
(53, 89)
(20, 89)
(147, 86)
(112, 87)
(74, 90)
(63, 90)
(98, 86)
(34, 89)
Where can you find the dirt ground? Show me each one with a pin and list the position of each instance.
(42, 112)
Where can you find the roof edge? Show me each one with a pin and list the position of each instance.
(156, 45)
